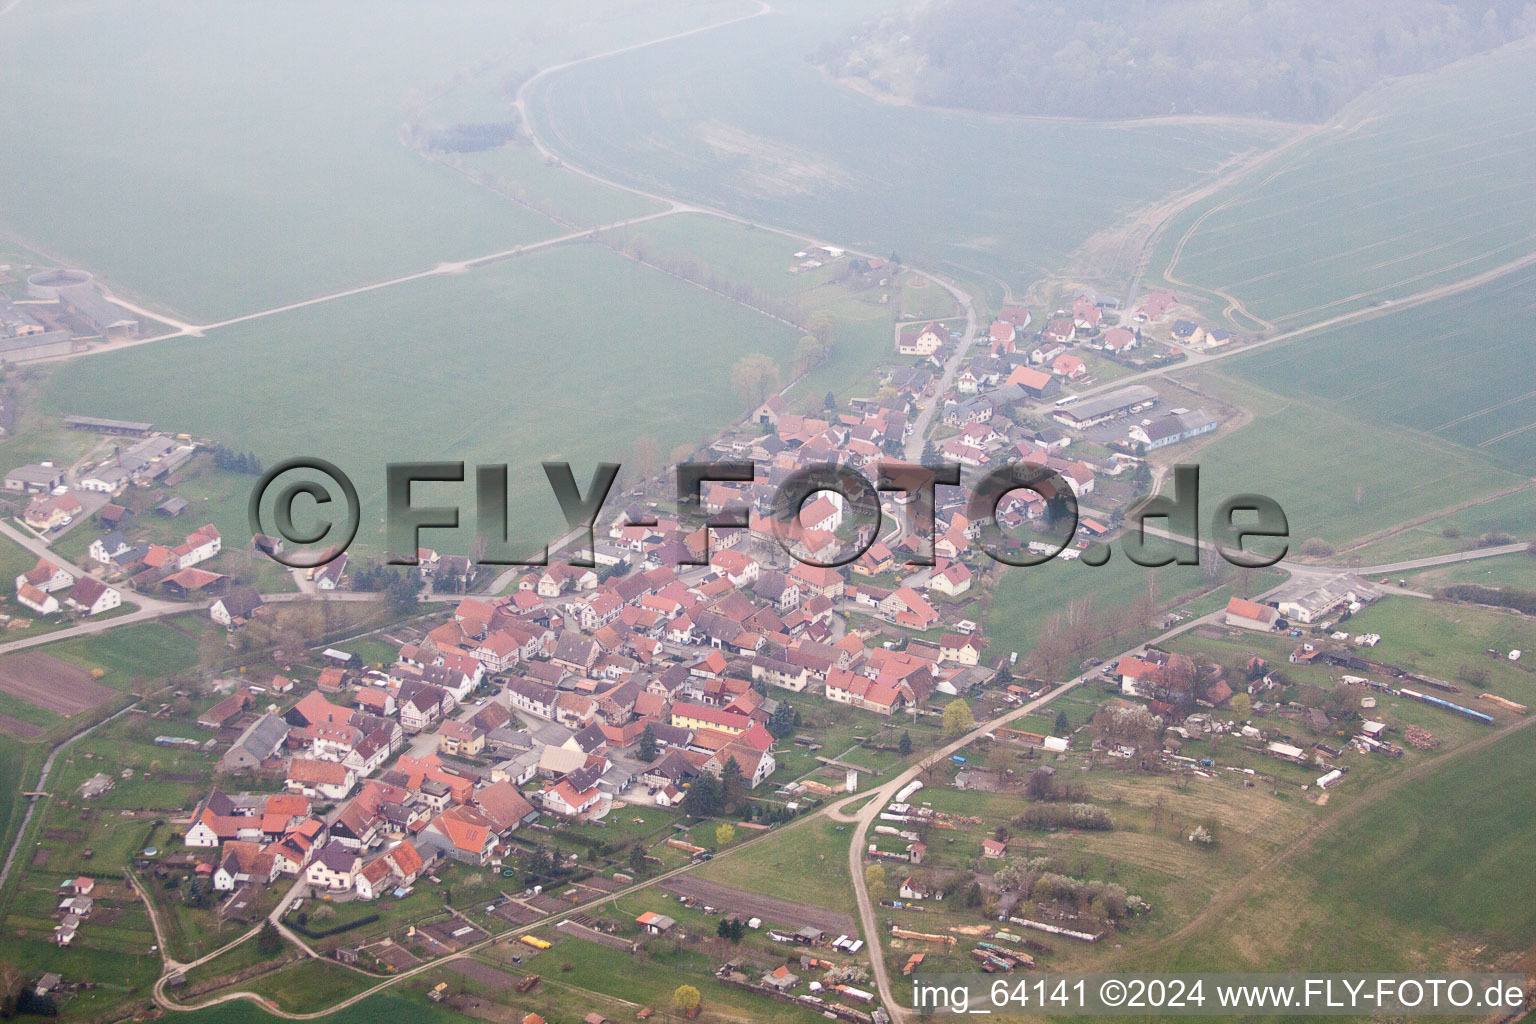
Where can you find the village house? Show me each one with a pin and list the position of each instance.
(237, 606)
(460, 739)
(922, 341)
(1246, 614)
(334, 868)
(46, 577)
(92, 597)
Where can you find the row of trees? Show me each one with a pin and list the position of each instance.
(685, 266)
(233, 461)
(400, 588)
(1035, 879)
(1048, 816)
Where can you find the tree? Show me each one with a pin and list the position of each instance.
(973, 895)
(823, 327)
(874, 881)
(958, 719)
(782, 722)
(645, 457)
(648, 750)
(12, 982)
(731, 929)
(637, 863)
(269, 941)
(403, 591)
(904, 746)
(1062, 726)
(703, 799)
(733, 787)
(808, 353)
(1041, 784)
(725, 834)
(686, 999)
(753, 378)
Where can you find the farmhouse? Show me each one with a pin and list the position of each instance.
(236, 607)
(92, 597)
(1251, 615)
(45, 576)
(42, 603)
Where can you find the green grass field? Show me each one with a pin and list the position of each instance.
(1445, 641)
(808, 863)
(309, 984)
(533, 359)
(401, 1002)
(1517, 571)
(1454, 370)
(1026, 597)
(563, 196)
(1406, 192)
(1512, 515)
(1338, 477)
(955, 192)
(284, 179)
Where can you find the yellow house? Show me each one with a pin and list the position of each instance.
(697, 716)
(460, 739)
(923, 341)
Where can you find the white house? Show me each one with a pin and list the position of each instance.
(92, 597)
(45, 576)
(334, 869)
(33, 598)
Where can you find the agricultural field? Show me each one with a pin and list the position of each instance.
(1510, 514)
(758, 262)
(1338, 477)
(807, 860)
(565, 197)
(417, 386)
(1399, 193)
(287, 180)
(401, 1002)
(1504, 571)
(1454, 370)
(729, 102)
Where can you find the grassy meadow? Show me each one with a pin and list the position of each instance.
(1339, 477)
(1455, 370)
(1392, 886)
(726, 119)
(1403, 191)
(223, 160)
(521, 361)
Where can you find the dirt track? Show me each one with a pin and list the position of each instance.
(771, 910)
